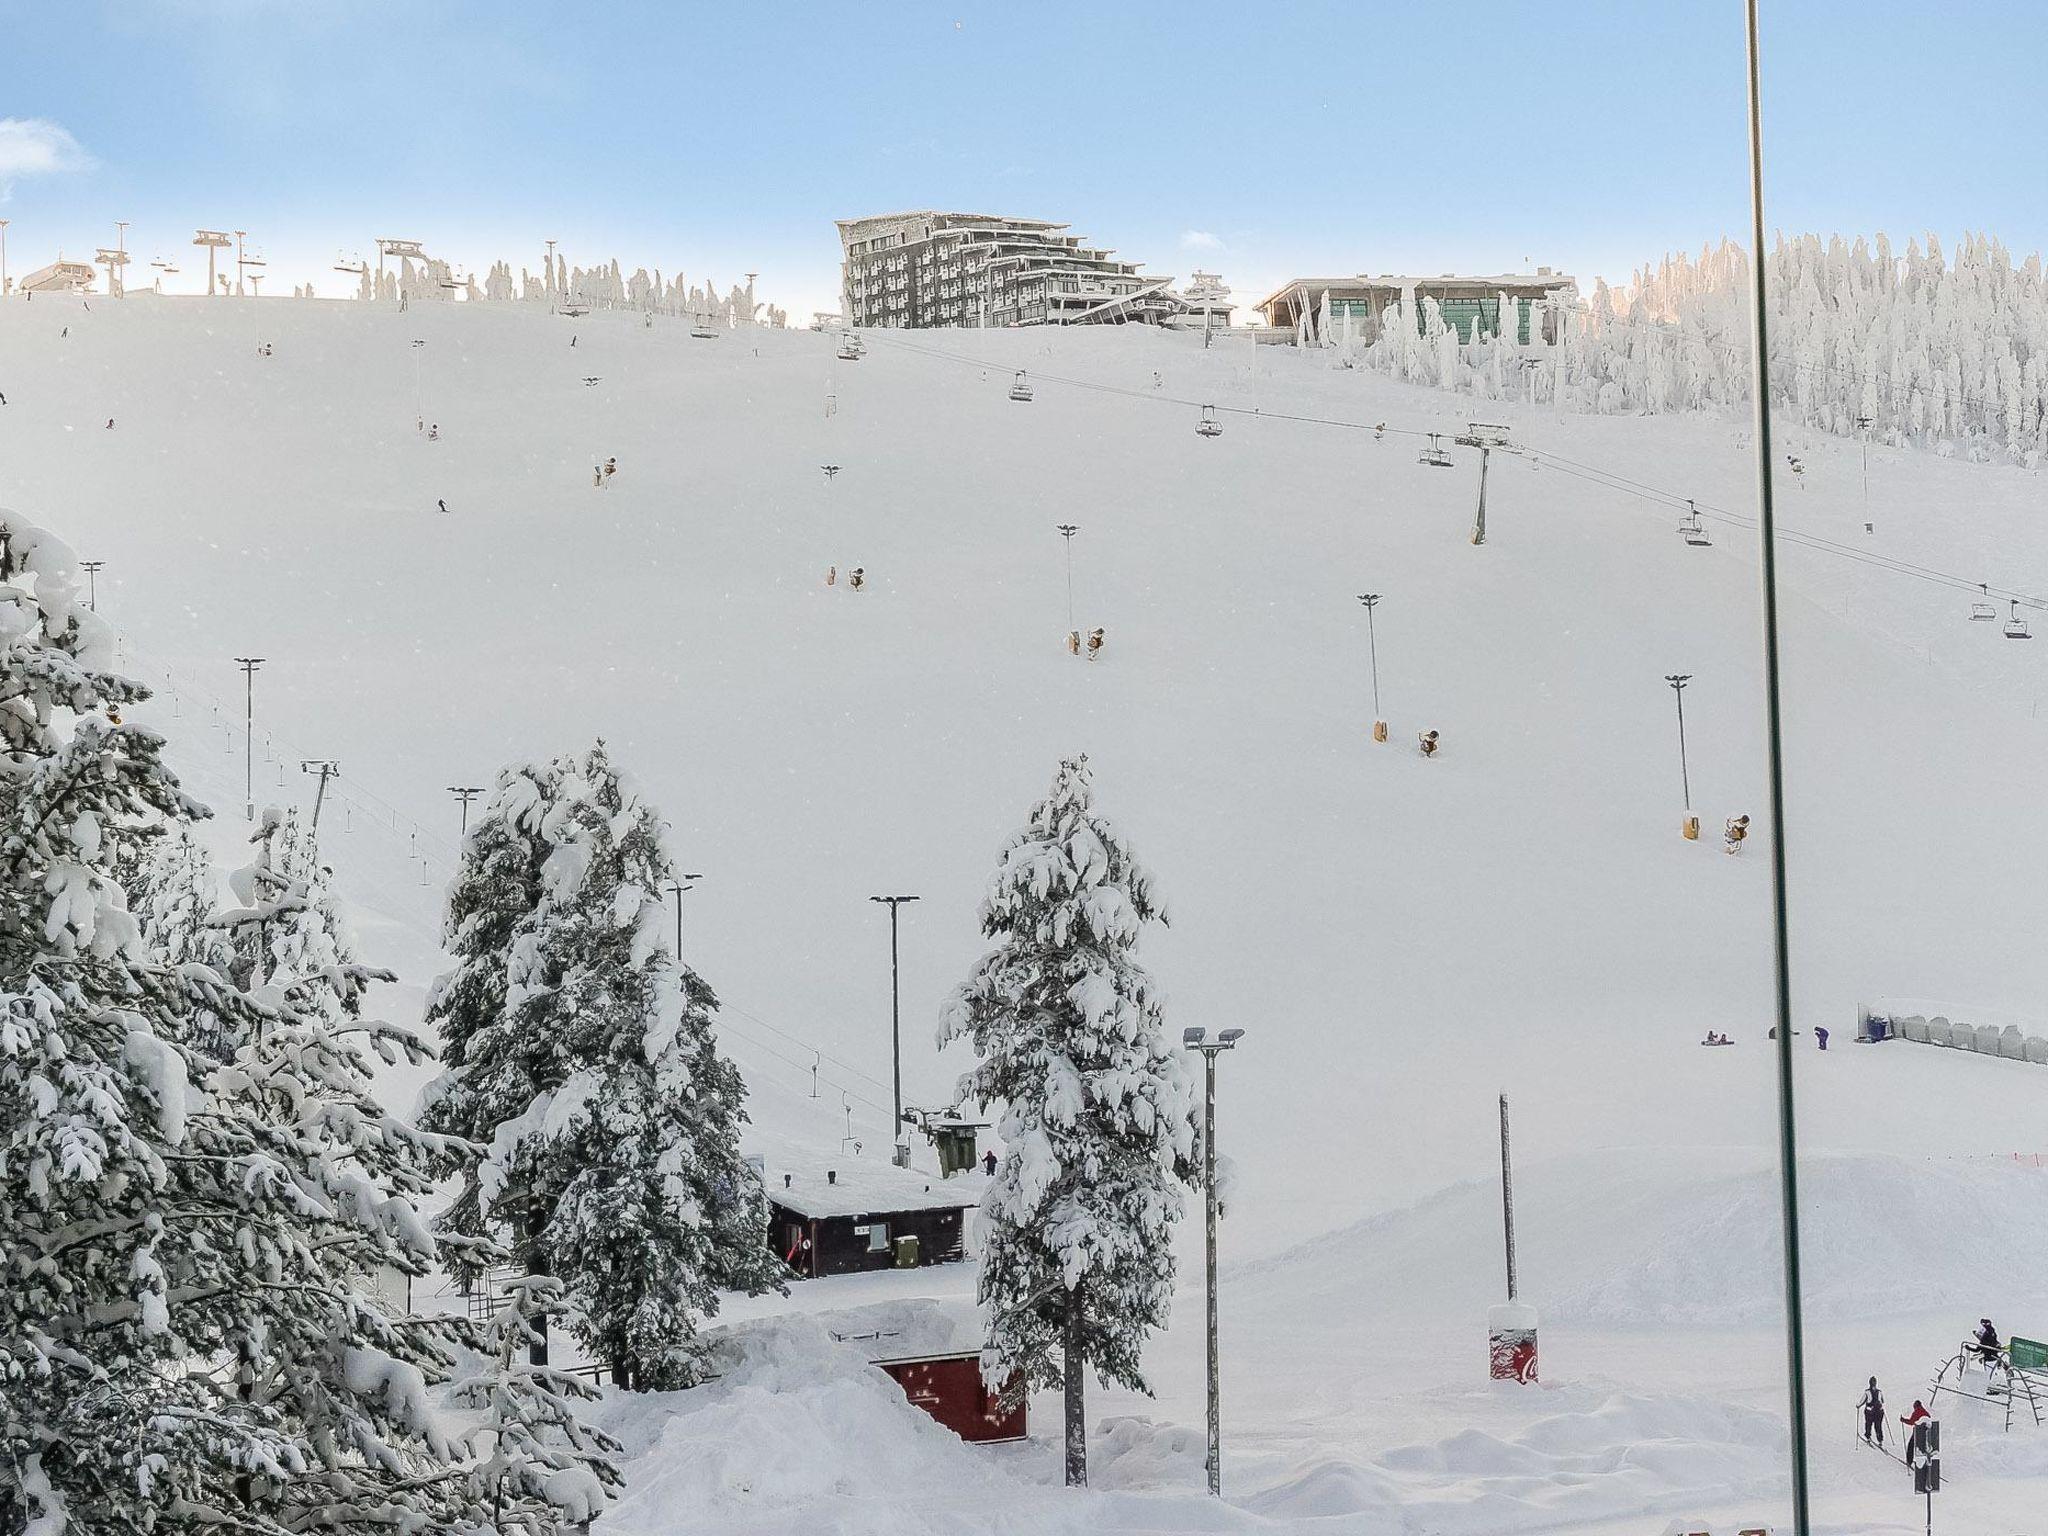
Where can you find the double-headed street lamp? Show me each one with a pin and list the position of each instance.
(678, 888)
(1196, 1040)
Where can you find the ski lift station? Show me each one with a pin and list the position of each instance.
(1321, 311)
(844, 1215)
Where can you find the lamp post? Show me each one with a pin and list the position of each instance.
(249, 664)
(3, 259)
(92, 569)
(1196, 1040)
(1678, 680)
(1371, 600)
(419, 415)
(677, 888)
(1066, 533)
(899, 1148)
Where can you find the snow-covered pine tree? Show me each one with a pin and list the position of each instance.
(590, 1065)
(1099, 1110)
(542, 1465)
(496, 1068)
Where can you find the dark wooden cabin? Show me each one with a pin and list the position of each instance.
(842, 1216)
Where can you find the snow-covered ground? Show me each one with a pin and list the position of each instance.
(1402, 938)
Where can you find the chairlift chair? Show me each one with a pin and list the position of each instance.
(2016, 627)
(1436, 456)
(1209, 425)
(701, 329)
(1692, 529)
(1021, 389)
(1983, 613)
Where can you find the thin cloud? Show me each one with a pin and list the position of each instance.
(1200, 240)
(35, 146)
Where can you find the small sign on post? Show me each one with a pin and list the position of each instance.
(1923, 1456)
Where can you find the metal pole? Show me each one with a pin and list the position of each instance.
(900, 1149)
(1788, 1140)
(465, 793)
(92, 569)
(3, 258)
(1067, 532)
(249, 664)
(1678, 682)
(1209, 1189)
(1479, 527)
(677, 888)
(1507, 1194)
(1372, 601)
(327, 768)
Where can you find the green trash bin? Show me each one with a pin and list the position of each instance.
(906, 1252)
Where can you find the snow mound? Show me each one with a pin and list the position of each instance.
(1626, 1239)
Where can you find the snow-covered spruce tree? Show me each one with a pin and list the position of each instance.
(1099, 1111)
(542, 1463)
(187, 1344)
(495, 1070)
(619, 1172)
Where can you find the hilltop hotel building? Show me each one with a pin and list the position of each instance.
(928, 269)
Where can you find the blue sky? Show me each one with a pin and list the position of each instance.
(1261, 141)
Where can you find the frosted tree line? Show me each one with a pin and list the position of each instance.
(1914, 348)
(600, 287)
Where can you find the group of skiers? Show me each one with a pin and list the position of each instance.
(856, 579)
(1985, 1347)
(1093, 644)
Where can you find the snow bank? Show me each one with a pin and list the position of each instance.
(1641, 1237)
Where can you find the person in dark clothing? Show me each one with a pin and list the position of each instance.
(1820, 1035)
(1873, 1415)
(1990, 1349)
(988, 1164)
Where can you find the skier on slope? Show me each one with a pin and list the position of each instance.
(1873, 1415)
(988, 1164)
(1094, 643)
(1919, 1415)
(1428, 743)
(1733, 834)
(857, 578)
(611, 467)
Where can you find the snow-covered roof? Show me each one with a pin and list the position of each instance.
(822, 1187)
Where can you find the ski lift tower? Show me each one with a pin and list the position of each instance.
(214, 240)
(113, 261)
(405, 250)
(1485, 436)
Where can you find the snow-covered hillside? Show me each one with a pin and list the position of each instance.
(1402, 938)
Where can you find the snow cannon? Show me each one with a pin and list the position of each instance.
(1379, 730)
(1691, 829)
(1511, 1341)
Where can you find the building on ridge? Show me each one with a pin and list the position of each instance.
(926, 269)
(1323, 310)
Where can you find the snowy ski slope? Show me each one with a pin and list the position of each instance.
(1402, 938)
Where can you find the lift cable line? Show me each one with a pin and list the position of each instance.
(1547, 457)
